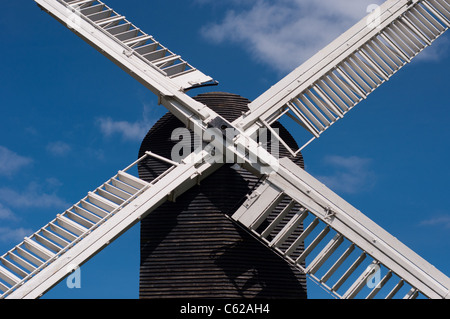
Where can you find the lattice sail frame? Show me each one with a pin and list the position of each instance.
(327, 86)
(332, 82)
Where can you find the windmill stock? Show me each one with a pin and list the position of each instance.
(315, 95)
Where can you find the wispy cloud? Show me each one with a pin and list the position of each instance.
(442, 221)
(8, 234)
(285, 33)
(6, 213)
(34, 196)
(58, 148)
(11, 162)
(129, 131)
(348, 175)
(436, 52)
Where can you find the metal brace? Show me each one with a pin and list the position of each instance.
(251, 198)
(172, 197)
(329, 214)
(128, 53)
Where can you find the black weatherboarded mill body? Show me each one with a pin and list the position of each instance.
(189, 248)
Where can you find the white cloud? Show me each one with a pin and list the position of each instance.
(13, 234)
(349, 175)
(58, 148)
(285, 33)
(436, 52)
(6, 213)
(441, 221)
(130, 131)
(11, 162)
(34, 196)
(31, 197)
(53, 182)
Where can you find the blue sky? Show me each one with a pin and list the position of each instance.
(71, 119)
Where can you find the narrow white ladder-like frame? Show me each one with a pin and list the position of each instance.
(337, 78)
(182, 107)
(135, 41)
(131, 50)
(279, 226)
(34, 266)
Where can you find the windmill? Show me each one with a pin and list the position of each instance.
(314, 96)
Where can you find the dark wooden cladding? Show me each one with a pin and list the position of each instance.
(189, 248)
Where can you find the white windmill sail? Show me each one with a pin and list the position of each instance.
(338, 77)
(163, 72)
(315, 95)
(39, 262)
(132, 40)
(44, 258)
(333, 230)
